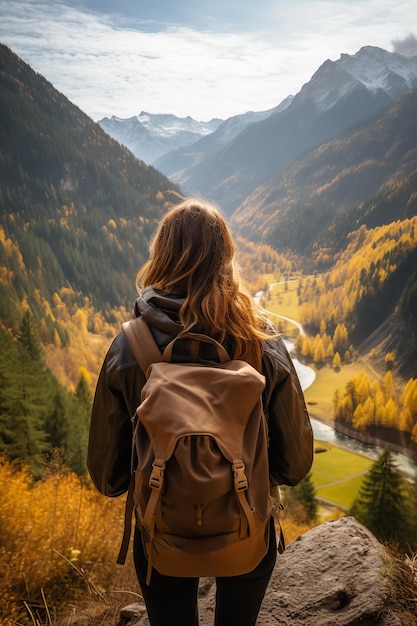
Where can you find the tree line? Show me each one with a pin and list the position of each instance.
(37, 414)
(368, 405)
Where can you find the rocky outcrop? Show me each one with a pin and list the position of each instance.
(337, 574)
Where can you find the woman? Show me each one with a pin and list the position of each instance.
(191, 283)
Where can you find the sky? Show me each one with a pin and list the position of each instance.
(206, 60)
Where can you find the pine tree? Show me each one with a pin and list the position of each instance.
(382, 503)
(34, 407)
(56, 423)
(305, 493)
(28, 337)
(77, 436)
(23, 403)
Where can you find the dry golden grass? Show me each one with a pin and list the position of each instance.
(59, 540)
(58, 545)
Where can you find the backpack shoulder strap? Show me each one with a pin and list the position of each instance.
(141, 342)
(146, 351)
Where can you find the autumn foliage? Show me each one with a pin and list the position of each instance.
(367, 403)
(58, 540)
(361, 272)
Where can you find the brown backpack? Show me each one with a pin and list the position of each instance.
(201, 491)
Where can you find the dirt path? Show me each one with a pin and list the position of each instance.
(342, 480)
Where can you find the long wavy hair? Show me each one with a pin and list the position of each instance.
(193, 255)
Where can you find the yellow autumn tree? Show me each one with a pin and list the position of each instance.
(388, 386)
(340, 338)
(337, 361)
(391, 414)
(359, 421)
(319, 353)
(409, 398)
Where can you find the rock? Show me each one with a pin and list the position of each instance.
(331, 575)
(131, 614)
(337, 574)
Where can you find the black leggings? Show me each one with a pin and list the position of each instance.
(173, 600)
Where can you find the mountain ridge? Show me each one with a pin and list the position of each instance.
(346, 171)
(228, 168)
(332, 101)
(174, 163)
(148, 135)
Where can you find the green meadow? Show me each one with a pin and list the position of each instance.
(337, 474)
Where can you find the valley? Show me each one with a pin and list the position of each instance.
(321, 195)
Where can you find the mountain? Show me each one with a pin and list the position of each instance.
(368, 175)
(174, 163)
(76, 208)
(227, 161)
(150, 136)
(340, 94)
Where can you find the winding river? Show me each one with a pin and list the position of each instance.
(325, 432)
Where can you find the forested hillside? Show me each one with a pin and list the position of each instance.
(357, 195)
(77, 211)
(76, 208)
(367, 176)
(372, 283)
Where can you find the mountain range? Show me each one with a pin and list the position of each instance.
(150, 136)
(227, 165)
(367, 175)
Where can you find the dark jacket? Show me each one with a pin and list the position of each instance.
(118, 395)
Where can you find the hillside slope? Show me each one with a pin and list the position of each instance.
(367, 176)
(76, 208)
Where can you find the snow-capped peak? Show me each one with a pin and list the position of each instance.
(375, 70)
(375, 67)
(150, 135)
(168, 125)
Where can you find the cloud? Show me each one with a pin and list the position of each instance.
(106, 68)
(111, 63)
(406, 46)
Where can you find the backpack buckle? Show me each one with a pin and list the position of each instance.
(241, 482)
(157, 476)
